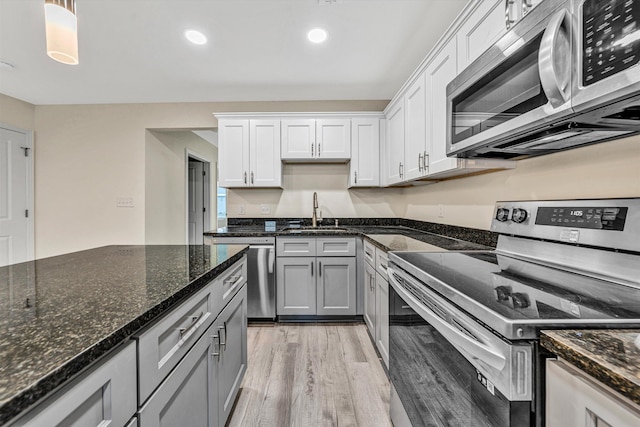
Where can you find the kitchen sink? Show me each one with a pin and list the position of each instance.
(314, 229)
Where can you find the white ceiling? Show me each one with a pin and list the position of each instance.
(135, 50)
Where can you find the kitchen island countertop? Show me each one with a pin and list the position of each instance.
(612, 356)
(60, 314)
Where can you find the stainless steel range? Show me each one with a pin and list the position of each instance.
(464, 349)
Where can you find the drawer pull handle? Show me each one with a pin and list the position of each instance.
(233, 280)
(193, 325)
(223, 344)
(320, 269)
(216, 353)
(384, 267)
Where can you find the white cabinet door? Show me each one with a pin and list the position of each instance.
(333, 139)
(336, 286)
(415, 138)
(382, 318)
(296, 286)
(298, 139)
(394, 143)
(574, 399)
(233, 153)
(481, 30)
(364, 170)
(265, 163)
(440, 71)
(370, 304)
(232, 360)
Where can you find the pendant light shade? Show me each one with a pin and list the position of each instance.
(62, 30)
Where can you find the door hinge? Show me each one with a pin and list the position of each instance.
(204, 173)
(26, 151)
(204, 209)
(26, 213)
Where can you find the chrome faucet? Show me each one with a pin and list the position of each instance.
(314, 217)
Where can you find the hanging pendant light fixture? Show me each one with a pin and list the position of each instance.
(62, 30)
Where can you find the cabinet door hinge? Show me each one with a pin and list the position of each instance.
(204, 209)
(26, 213)
(26, 151)
(204, 173)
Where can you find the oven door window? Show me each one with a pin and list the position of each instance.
(511, 89)
(436, 384)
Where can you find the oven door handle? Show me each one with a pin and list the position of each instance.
(475, 349)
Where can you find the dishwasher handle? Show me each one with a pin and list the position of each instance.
(270, 255)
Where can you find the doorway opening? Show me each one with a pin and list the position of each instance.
(198, 198)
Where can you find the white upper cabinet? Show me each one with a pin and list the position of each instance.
(483, 27)
(321, 139)
(415, 137)
(249, 153)
(394, 143)
(440, 71)
(333, 137)
(487, 22)
(364, 170)
(298, 139)
(264, 153)
(233, 153)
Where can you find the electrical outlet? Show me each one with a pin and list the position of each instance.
(241, 210)
(124, 202)
(440, 211)
(265, 209)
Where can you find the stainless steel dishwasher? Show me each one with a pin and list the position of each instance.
(261, 283)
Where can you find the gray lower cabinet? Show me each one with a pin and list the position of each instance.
(106, 395)
(382, 317)
(316, 285)
(370, 305)
(232, 359)
(336, 286)
(296, 286)
(204, 385)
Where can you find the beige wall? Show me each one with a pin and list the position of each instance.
(89, 155)
(603, 170)
(165, 187)
(17, 113)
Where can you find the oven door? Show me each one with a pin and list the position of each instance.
(446, 375)
(522, 83)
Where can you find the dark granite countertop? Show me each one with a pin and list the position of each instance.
(60, 314)
(612, 356)
(438, 235)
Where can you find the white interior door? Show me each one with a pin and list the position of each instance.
(16, 240)
(196, 202)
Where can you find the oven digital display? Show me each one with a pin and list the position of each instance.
(610, 38)
(601, 218)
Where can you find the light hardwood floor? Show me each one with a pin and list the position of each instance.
(307, 375)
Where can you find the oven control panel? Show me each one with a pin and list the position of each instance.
(597, 218)
(610, 223)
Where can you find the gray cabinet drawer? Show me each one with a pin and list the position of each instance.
(369, 253)
(229, 283)
(295, 246)
(382, 261)
(189, 394)
(161, 346)
(332, 246)
(104, 396)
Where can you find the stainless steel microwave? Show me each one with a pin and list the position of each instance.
(566, 75)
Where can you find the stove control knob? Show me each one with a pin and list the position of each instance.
(502, 215)
(520, 300)
(519, 215)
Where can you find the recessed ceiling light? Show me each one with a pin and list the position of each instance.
(195, 37)
(317, 35)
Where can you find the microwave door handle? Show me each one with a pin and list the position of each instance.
(475, 349)
(557, 88)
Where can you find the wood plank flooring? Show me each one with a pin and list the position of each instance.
(312, 374)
